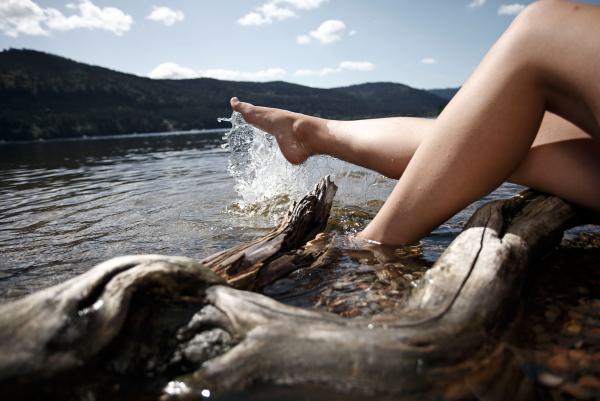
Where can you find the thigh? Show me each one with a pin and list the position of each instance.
(564, 38)
(557, 129)
(563, 160)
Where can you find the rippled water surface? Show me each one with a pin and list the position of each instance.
(68, 205)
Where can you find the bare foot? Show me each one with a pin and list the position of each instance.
(293, 132)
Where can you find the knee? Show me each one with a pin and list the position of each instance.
(541, 18)
(533, 31)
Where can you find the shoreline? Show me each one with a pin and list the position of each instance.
(118, 136)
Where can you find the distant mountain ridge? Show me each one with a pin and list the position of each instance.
(47, 96)
(446, 93)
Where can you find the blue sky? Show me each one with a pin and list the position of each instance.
(321, 43)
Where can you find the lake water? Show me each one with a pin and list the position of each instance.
(68, 205)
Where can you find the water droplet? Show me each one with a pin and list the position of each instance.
(176, 388)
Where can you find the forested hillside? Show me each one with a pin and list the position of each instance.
(47, 96)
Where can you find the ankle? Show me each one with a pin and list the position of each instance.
(311, 132)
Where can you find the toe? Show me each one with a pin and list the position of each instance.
(250, 113)
(241, 107)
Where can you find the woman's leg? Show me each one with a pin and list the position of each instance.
(492, 122)
(546, 60)
(385, 145)
(563, 160)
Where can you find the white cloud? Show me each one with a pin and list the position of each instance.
(277, 10)
(273, 12)
(21, 17)
(428, 60)
(303, 39)
(352, 33)
(476, 3)
(175, 71)
(28, 18)
(328, 32)
(172, 71)
(234, 75)
(321, 72)
(511, 9)
(266, 14)
(166, 15)
(253, 19)
(343, 66)
(90, 16)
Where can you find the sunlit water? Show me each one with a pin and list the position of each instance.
(68, 205)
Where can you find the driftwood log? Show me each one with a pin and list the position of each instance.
(151, 326)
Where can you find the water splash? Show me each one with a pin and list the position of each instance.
(260, 172)
(266, 183)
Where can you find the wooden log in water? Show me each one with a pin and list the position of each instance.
(173, 326)
(257, 263)
(464, 302)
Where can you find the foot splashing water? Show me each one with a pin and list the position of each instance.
(266, 183)
(363, 280)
